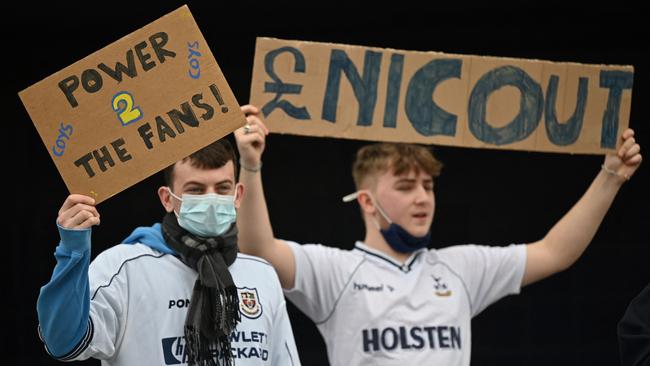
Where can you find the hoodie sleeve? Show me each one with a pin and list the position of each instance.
(63, 304)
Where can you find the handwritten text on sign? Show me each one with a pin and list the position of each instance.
(134, 107)
(333, 90)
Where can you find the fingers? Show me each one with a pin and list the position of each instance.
(255, 138)
(627, 144)
(627, 134)
(250, 109)
(76, 215)
(81, 220)
(254, 121)
(88, 223)
(634, 160)
(630, 151)
(78, 212)
(252, 136)
(73, 199)
(255, 130)
(635, 149)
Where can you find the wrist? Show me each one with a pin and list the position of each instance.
(247, 166)
(622, 177)
(77, 240)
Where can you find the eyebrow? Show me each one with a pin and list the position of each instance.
(405, 180)
(221, 182)
(411, 180)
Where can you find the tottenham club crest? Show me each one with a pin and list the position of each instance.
(249, 302)
(440, 287)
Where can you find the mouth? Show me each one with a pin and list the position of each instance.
(420, 215)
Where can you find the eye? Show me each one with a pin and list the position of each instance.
(224, 189)
(194, 190)
(404, 187)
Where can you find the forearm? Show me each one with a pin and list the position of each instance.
(254, 224)
(569, 238)
(63, 304)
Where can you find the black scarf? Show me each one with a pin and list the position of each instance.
(214, 308)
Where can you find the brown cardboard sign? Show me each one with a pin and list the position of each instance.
(367, 93)
(134, 107)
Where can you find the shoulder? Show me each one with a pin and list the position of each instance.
(324, 250)
(122, 253)
(456, 255)
(128, 250)
(117, 267)
(321, 256)
(469, 250)
(250, 267)
(252, 262)
(472, 256)
(456, 251)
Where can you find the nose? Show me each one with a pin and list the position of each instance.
(422, 195)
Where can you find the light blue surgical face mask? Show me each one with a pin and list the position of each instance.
(206, 215)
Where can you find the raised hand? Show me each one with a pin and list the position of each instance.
(251, 138)
(627, 159)
(78, 212)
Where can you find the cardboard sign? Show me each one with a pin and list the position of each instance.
(133, 107)
(333, 90)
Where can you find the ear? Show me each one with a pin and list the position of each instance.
(165, 198)
(239, 194)
(366, 203)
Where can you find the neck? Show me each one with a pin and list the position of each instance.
(375, 240)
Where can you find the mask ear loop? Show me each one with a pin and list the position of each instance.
(175, 196)
(352, 196)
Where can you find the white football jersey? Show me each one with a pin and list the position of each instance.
(140, 297)
(372, 310)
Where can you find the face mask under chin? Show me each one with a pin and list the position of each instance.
(402, 241)
(395, 235)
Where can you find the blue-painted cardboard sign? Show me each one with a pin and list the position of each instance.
(367, 93)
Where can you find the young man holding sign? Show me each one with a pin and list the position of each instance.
(390, 301)
(174, 293)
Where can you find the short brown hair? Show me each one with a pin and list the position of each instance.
(213, 156)
(401, 158)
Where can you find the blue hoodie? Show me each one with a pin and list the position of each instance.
(150, 236)
(64, 303)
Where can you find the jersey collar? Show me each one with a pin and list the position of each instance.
(404, 267)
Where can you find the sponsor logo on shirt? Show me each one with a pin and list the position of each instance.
(371, 288)
(249, 304)
(178, 303)
(245, 345)
(174, 350)
(417, 337)
(440, 287)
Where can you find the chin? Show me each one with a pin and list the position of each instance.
(418, 232)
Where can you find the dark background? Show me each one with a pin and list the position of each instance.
(483, 196)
